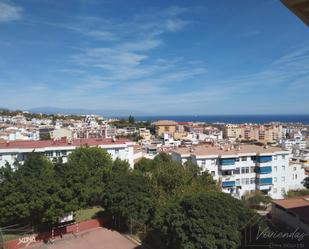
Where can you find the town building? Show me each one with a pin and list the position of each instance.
(294, 212)
(165, 127)
(18, 150)
(232, 132)
(60, 133)
(268, 133)
(296, 142)
(144, 133)
(242, 169)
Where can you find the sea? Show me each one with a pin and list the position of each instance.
(233, 119)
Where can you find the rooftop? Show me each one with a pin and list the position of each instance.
(208, 150)
(165, 122)
(59, 143)
(297, 205)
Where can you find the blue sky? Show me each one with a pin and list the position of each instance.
(154, 57)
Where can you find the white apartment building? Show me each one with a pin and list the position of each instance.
(297, 142)
(245, 168)
(18, 150)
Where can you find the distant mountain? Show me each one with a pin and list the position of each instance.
(78, 111)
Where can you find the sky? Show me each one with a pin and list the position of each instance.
(175, 57)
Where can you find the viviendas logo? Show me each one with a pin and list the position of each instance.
(260, 232)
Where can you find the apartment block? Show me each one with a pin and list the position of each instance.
(233, 132)
(245, 168)
(18, 150)
(262, 133)
(165, 127)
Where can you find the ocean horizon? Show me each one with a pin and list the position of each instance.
(234, 119)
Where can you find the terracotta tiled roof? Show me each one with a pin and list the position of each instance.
(226, 150)
(63, 142)
(294, 202)
(296, 205)
(165, 122)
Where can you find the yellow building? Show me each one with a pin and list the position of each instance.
(233, 132)
(262, 133)
(165, 126)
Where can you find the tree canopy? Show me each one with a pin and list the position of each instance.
(130, 197)
(40, 191)
(30, 193)
(180, 205)
(203, 220)
(306, 182)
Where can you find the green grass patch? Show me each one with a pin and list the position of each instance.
(7, 237)
(87, 214)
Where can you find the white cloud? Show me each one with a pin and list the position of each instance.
(143, 45)
(102, 35)
(129, 59)
(9, 12)
(175, 24)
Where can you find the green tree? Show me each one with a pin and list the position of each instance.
(30, 194)
(131, 119)
(129, 197)
(84, 175)
(171, 178)
(297, 192)
(306, 182)
(203, 220)
(257, 200)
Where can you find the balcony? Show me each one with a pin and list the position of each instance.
(227, 167)
(228, 184)
(227, 163)
(264, 170)
(263, 187)
(264, 183)
(264, 159)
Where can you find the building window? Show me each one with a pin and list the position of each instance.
(117, 151)
(252, 180)
(295, 176)
(243, 158)
(203, 163)
(0, 157)
(58, 153)
(275, 157)
(49, 153)
(245, 181)
(213, 173)
(236, 171)
(275, 190)
(252, 169)
(275, 179)
(283, 178)
(245, 170)
(283, 156)
(283, 167)
(294, 168)
(275, 168)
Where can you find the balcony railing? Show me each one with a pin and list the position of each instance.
(264, 170)
(264, 181)
(227, 161)
(227, 184)
(264, 159)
